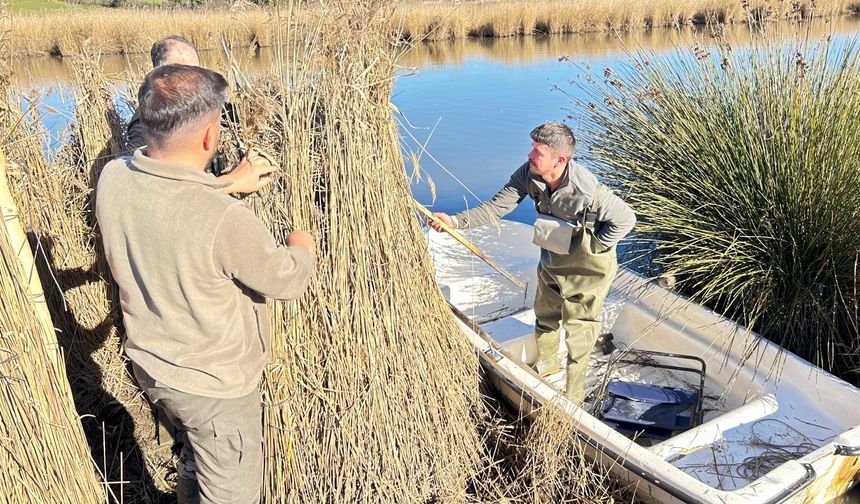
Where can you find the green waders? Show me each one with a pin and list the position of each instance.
(570, 294)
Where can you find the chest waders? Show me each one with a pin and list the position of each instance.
(570, 293)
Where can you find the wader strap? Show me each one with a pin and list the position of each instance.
(589, 216)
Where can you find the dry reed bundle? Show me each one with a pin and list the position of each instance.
(557, 468)
(54, 198)
(42, 447)
(371, 392)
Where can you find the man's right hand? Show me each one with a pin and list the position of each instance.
(444, 218)
(302, 239)
(252, 174)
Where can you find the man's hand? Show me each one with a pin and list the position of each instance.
(302, 239)
(444, 218)
(250, 176)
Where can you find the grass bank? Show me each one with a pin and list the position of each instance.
(123, 30)
(99, 30)
(503, 18)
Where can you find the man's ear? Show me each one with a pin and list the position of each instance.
(210, 137)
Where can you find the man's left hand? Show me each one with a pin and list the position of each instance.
(250, 176)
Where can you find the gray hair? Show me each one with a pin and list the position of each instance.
(175, 97)
(556, 136)
(161, 50)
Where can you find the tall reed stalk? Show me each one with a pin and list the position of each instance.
(371, 392)
(55, 199)
(43, 451)
(743, 166)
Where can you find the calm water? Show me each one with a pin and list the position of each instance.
(484, 96)
(471, 103)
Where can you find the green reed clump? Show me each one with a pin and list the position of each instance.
(744, 169)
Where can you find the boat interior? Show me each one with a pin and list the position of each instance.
(694, 389)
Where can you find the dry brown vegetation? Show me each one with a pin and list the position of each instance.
(518, 50)
(70, 33)
(503, 18)
(130, 31)
(42, 449)
(54, 197)
(371, 393)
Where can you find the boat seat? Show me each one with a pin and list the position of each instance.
(711, 431)
(649, 411)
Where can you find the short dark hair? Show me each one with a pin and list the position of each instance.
(175, 96)
(162, 48)
(556, 135)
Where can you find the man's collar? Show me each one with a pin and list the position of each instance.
(171, 171)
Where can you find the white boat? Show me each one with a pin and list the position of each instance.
(775, 428)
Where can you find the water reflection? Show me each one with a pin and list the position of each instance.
(42, 71)
(524, 50)
(470, 102)
(37, 71)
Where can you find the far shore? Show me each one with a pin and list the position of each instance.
(80, 30)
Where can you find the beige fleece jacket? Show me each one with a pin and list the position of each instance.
(194, 267)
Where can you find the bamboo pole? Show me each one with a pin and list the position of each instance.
(18, 239)
(466, 243)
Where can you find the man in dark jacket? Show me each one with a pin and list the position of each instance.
(174, 49)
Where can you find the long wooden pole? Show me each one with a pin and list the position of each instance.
(18, 240)
(457, 236)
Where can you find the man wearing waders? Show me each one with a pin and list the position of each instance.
(578, 225)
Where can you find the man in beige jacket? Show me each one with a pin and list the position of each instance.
(194, 267)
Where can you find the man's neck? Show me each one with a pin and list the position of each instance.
(554, 181)
(169, 156)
